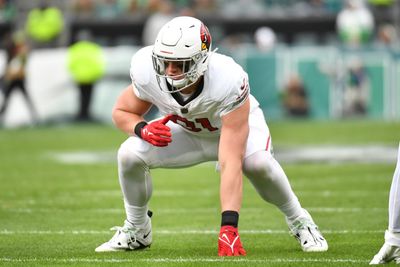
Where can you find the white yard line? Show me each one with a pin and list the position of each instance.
(183, 260)
(295, 154)
(178, 232)
(214, 192)
(188, 210)
(338, 154)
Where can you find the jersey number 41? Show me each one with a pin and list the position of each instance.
(195, 126)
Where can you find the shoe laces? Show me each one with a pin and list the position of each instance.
(303, 223)
(130, 232)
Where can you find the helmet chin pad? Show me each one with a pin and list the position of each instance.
(180, 84)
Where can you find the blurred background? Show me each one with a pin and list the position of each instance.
(67, 60)
(326, 74)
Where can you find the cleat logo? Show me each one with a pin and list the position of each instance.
(146, 235)
(228, 242)
(226, 237)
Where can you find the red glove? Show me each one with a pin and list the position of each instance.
(157, 133)
(229, 242)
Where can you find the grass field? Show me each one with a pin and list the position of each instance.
(54, 213)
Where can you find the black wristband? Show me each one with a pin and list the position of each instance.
(230, 217)
(138, 128)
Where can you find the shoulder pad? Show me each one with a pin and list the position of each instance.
(141, 66)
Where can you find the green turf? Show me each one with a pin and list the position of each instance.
(55, 214)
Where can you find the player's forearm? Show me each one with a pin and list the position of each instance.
(126, 121)
(231, 150)
(231, 186)
(129, 110)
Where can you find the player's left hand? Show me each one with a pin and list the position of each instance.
(229, 243)
(157, 133)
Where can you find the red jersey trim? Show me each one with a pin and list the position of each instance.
(268, 141)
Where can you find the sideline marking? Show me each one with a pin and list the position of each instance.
(293, 154)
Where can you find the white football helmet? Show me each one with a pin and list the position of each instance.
(186, 41)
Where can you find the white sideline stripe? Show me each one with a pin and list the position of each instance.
(172, 260)
(293, 154)
(178, 232)
(201, 193)
(187, 210)
(83, 157)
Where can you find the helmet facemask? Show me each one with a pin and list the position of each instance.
(191, 70)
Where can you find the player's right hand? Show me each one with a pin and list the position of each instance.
(229, 243)
(157, 133)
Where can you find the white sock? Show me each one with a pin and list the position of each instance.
(136, 215)
(392, 238)
(292, 210)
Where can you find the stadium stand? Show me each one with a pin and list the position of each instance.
(306, 42)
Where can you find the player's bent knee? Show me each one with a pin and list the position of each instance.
(259, 165)
(127, 158)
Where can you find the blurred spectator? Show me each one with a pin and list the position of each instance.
(133, 7)
(86, 65)
(317, 6)
(243, 8)
(265, 39)
(382, 8)
(83, 8)
(108, 9)
(7, 10)
(231, 44)
(355, 23)
(161, 11)
(332, 6)
(187, 11)
(204, 8)
(387, 36)
(14, 77)
(381, 2)
(356, 91)
(381, 5)
(45, 23)
(295, 100)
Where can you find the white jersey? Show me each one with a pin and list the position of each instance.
(225, 88)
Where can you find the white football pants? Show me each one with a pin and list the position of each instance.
(136, 157)
(394, 199)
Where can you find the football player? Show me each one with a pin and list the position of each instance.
(209, 115)
(390, 250)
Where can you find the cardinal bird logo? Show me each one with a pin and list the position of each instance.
(205, 37)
